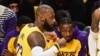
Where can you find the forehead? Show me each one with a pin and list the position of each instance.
(50, 11)
(15, 4)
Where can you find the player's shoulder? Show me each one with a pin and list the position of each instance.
(29, 25)
(35, 33)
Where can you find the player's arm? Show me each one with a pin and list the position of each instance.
(51, 36)
(95, 21)
(94, 30)
(37, 44)
(95, 24)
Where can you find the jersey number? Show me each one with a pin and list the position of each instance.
(19, 50)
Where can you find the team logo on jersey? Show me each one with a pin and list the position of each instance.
(66, 54)
(19, 50)
(22, 36)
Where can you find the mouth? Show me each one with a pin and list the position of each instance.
(67, 39)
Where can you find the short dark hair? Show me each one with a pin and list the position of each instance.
(62, 15)
(23, 20)
(12, 1)
(65, 20)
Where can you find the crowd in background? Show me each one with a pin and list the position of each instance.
(79, 9)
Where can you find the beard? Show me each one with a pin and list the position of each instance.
(69, 39)
(48, 27)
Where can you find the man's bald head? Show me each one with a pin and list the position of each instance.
(42, 9)
(45, 17)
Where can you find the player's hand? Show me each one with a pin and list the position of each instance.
(6, 53)
(51, 36)
(62, 42)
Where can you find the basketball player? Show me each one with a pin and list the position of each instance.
(31, 40)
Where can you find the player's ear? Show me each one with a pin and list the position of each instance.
(17, 28)
(43, 18)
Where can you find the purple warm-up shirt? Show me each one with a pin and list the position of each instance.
(8, 22)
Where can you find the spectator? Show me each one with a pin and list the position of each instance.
(14, 5)
(7, 23)
(78, 34)
(11, 46)
(73, 46)
(34, 40)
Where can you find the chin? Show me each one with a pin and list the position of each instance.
(69, 40)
